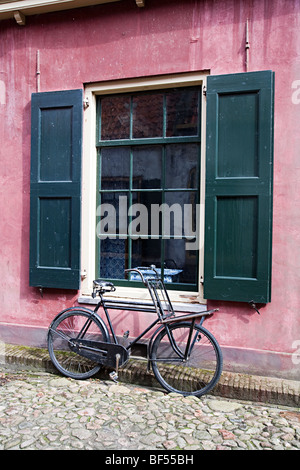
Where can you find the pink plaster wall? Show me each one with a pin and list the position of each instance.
(117, 41)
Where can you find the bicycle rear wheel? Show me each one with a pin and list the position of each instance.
(199, 373)
(71, 325)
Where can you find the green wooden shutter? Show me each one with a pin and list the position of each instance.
(56, 141)
(239, 167)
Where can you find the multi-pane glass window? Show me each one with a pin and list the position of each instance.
(148, 184)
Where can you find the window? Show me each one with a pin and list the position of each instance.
(148, 183)
(214, 153)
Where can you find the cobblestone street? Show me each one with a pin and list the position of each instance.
(39, 410)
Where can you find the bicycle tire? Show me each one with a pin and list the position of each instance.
(64, 328)
(199, 373)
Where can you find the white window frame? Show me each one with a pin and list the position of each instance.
(89, 172)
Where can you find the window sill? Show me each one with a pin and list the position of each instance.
(186, 307)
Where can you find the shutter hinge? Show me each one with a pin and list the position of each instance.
(253, 305)
(86, 103)
(204, 90)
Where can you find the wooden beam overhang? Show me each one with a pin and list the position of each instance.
(19, 9)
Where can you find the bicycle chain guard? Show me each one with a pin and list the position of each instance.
(100, 352)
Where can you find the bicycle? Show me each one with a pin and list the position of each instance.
(184, 356)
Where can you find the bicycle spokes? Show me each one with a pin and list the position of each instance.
(196, 370)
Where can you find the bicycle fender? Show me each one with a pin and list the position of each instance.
(156, 333)
(86, 310)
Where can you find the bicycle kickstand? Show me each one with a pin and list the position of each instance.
(114, 374)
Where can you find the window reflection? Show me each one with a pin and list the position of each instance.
(114, 258)
(180, 216)
(146, 111)
(150, 187)
(182, 112)
(147, 167)
(177, 257)
(147, 116)
(182, 166)
(115, 117)
(115, 168)
(146, 252)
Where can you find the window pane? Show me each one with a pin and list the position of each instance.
(180, 214)
(146, 218)
(145, 253)
(114, 257)
(115, 168)
(182, 112)
(183, 262)
(115, 117)
(147, 115)
(112, 214)
(150, 191)
(147, 167)
(182, 166)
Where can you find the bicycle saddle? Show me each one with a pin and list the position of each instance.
(103, 286)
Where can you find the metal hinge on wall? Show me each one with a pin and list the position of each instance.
(86, 103)
(83, 274)
(254, 306)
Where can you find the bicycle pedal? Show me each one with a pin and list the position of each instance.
(113, 376)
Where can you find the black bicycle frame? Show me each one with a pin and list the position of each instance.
(147, 308)
(154, 284)
(135, 306)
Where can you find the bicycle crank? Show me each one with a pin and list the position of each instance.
(100, 351)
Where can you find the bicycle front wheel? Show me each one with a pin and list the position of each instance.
(74, 324)
(194, 372)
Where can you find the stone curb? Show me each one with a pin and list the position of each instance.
(231, 385)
